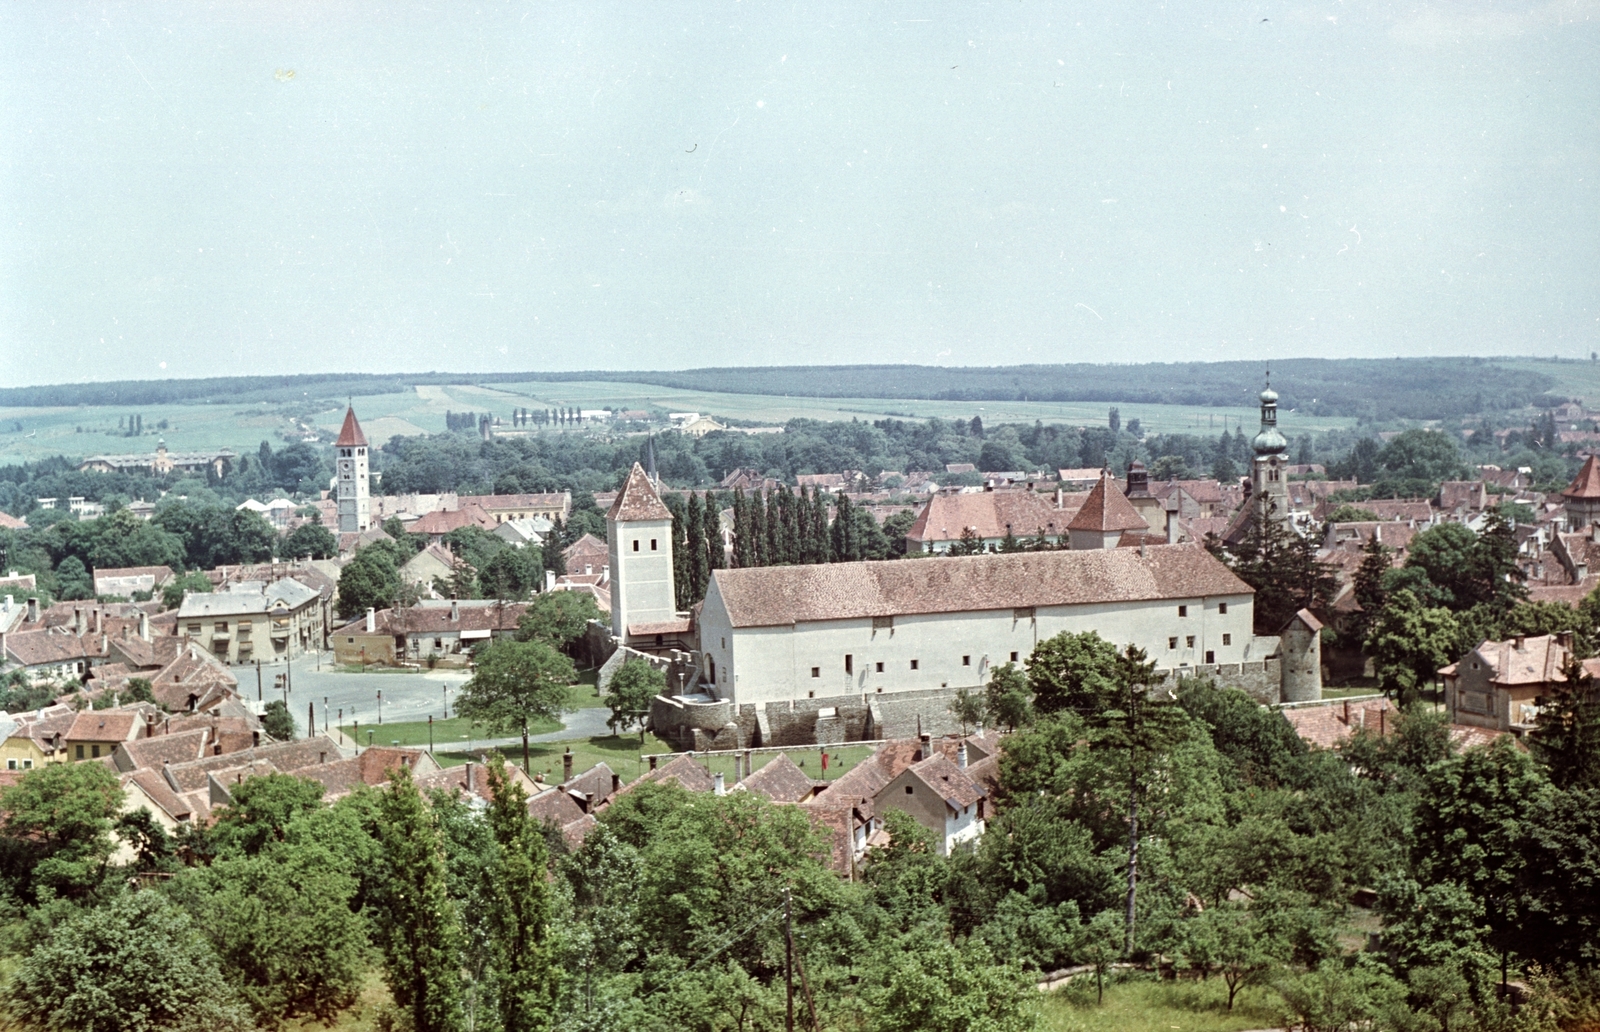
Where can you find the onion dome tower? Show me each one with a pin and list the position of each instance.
(1268, 487)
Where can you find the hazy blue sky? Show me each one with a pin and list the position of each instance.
(276, 187)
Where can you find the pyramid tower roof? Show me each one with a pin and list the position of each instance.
(1587, 483)
(350, 435)
(1107, 509)
(638, 499)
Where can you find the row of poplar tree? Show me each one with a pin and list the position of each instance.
(783, 528)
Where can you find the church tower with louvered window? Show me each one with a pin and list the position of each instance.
(352, 490)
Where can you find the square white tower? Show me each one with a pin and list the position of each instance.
(353, 491)
(639, 529)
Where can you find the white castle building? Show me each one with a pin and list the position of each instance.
(847, 651)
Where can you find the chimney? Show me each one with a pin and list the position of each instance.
(1172, 526)
(927, 746)
(372, 619)
(144, 625)
(717, 787)
(77, 620)
(33, 610)
(97, 619)
(961, 754)
(455, 611)
(652, 761)
(566, 766)
(149, 725)
(1058, 496)
(616, 783)
(1519, 640)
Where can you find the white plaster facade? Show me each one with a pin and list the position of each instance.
(918, 652)
(640, 553)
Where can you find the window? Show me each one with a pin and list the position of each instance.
(221, 627)
(1183, 610)
(913, 664)
(1222, 608)
(652, 544)
(79, 752)
(95, 751)
(1188, 641)
(1013, 657)
(816, 671)
(966, 660)
(849, 664)
(1172, 643)
(908, 790)
(878, 668)
(724, 642)
(27, 764)
(11, 765)
(1227, 639)
(811, 695)
(194, 628)
(635, 544)
(1211, 657)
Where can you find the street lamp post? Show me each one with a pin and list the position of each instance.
(380, 706)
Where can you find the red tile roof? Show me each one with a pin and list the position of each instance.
(780, 781)
(1587, 483)
(1107, 509)
(990, 514)
(443, 521)
(638, 499)
(350, 436)
(780, 595)
(103, 726)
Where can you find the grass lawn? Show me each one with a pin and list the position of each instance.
(1142, 1004)
(622, 754)
(445, 732)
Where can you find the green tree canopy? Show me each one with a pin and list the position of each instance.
(557, 618)
(59, 819)
(134, 964)
(1410, 642)
(371, 579)
(1076, 672)
(629, 693)
(310, 540)
(516, 681)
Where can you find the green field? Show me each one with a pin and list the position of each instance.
(56, 431)
(1139, 1003)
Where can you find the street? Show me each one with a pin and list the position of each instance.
(406, 696)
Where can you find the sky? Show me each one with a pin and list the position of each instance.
(279, 187)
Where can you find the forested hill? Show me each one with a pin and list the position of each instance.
(1377, 388)
(1408, 388)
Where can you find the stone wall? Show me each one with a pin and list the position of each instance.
(1262, 680)
(701, 725)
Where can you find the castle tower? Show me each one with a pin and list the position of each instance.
(1105, 514)
(639, 532)
(350, 452)
(1582, 497)
(1268, 485)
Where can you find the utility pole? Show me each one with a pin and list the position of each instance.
(430, 734)
(311, 719)
(525, 746)
(380, 707)
(258, 680)
(788, 963)
(324, 714)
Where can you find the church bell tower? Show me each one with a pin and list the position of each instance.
(350, 452)
(1269, 489)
